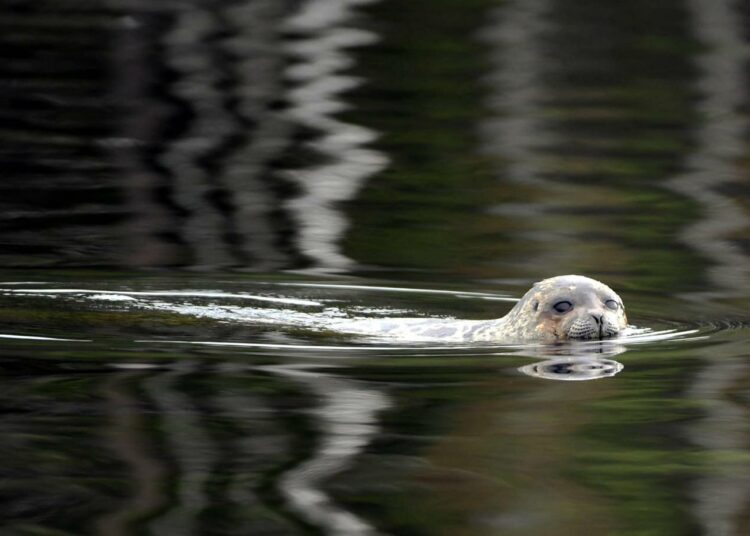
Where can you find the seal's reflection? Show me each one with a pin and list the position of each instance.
(573, 369)
(574, 362)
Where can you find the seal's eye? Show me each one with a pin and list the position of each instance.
(612, 304)
(562, 306)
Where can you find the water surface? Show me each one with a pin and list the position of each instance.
(194, 193)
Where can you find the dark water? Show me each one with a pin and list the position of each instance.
(191, 190)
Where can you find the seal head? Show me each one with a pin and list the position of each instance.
(566, 307)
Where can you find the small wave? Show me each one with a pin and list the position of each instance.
(635, 335)
(455, 293)
(100, 294)
(38, 338)
(313, 347)
(26, 283)
(727, 324)
(567, 348)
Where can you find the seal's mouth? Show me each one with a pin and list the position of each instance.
(590, 329)
(593, 335)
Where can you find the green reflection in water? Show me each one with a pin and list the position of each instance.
(620, 113)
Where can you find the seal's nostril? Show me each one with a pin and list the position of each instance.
(597, 319)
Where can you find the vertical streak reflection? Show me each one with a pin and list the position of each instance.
(193, 451)
(189, 54)
(127, 440)
(719, 145)
(347, 418)
(517, 130)
(321, 54)
(230, 66)
(143, 182)
(721, 499)
(255, 46)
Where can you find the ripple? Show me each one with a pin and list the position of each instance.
(123, 295)
(339, 319)
(38, 338)
(456, 293)
(314, 347)
(721, 325)
(635, 335)
(569, 348)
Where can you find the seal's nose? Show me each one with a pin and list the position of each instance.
(598, 319)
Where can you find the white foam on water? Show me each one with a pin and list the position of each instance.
(112, 297)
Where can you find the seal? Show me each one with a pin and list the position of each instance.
(559, 308)
(567, 307)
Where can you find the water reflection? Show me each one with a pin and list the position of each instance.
(582, 361)
(249, 79)
(713, 172)
(176, 488)
(193, 454)
(516, 91)
(194, 134)
(573, 369)
(346, 421)
(521, 136)
(721, 498)
(127, 439)
(229, 64)
(333, 134)
(713, 166)
(324, 33)
(196, 463)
